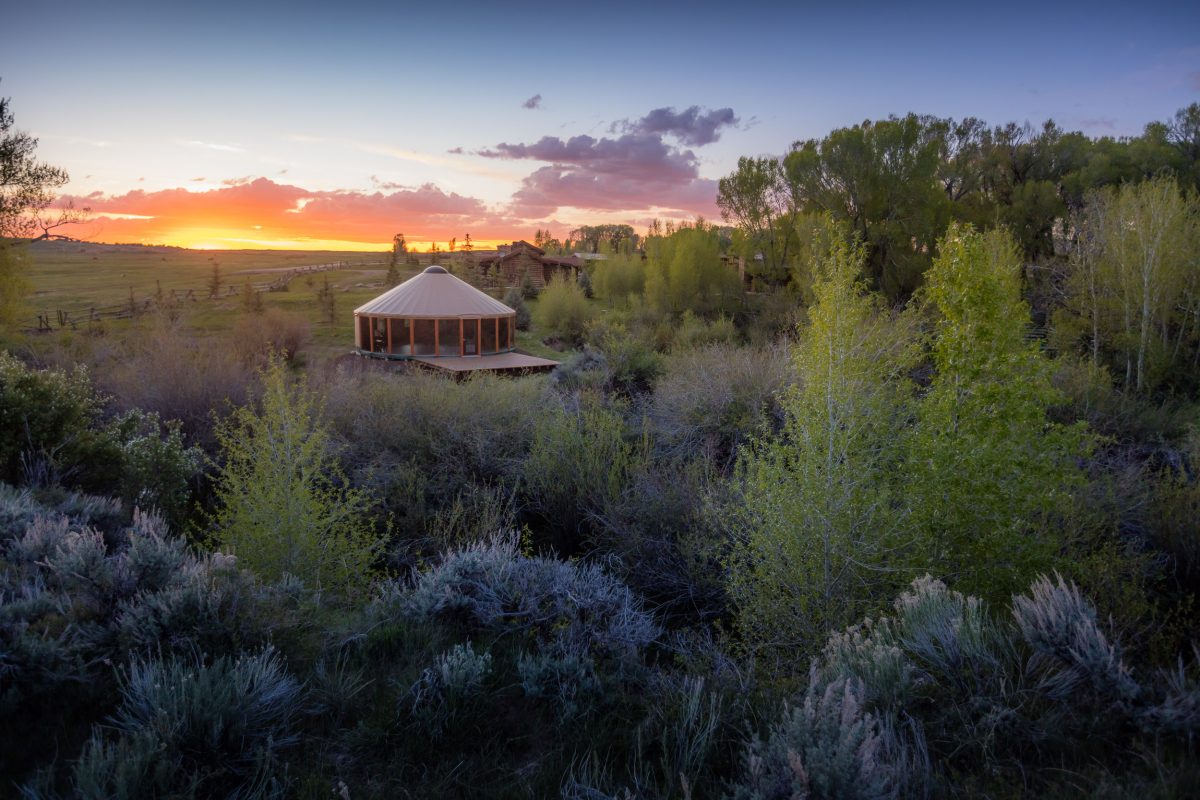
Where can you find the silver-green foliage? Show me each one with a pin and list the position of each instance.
(189, 729)
(829, 746)
(942, 679)
(70, 602)
(454, 679)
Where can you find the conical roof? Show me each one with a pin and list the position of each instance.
(434, 293)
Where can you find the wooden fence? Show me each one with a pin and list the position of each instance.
(62, 318)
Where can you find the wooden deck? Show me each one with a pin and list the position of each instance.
(501, 362)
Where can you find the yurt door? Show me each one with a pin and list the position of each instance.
(469, 336)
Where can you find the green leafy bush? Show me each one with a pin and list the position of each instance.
(564, 310)
(49, 425)
(282, 508)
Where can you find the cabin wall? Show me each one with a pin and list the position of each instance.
(515, 266)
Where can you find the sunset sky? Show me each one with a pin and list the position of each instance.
(335, 125)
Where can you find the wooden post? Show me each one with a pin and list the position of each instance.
(462, 348)
(370, 334)
(412, 337)
(437, 334)
(389, 334)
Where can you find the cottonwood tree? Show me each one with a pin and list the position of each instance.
(987, 470)
(281, 503)
(1133, 287)
(818, 517)
(761, 201)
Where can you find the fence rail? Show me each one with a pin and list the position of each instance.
(63, 318)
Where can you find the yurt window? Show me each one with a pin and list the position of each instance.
(401, 336)
(424, 332)
(490, 326)
(378, 335)
(447, 337)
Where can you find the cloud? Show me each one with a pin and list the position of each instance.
(691, 126)
(637, 171)
(379, 183)
(634, 154)
(533, 102)
(456, 151)
(225, 148)
(199, 180)
(262, 209)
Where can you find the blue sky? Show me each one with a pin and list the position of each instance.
(367, 98)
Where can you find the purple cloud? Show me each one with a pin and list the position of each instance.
(690, 126)
(533, 102)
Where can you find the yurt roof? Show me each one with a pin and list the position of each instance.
(434, 293)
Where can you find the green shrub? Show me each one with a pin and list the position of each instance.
(563, 309)
(579, 462)
(585, 284)
(49, 426)
(282, 508)
(619, 279)
(156, 468)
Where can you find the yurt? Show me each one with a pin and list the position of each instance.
(434, 315)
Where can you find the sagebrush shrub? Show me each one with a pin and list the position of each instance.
(186, 728)
(454, 679)
(491, 586)
(828, 747)
(1070, 651)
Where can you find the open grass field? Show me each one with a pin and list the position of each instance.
(77, 277)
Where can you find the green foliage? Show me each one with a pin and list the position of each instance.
(880, 179)
(988, 470)
(281, 505)
(685, 273)
(529, 290)
(514, 298)
(619, 279)
(49, 424)
(1133, 290)
(564, 309)
(156, 467)
(578, 463)
(817, 516)
(14, 286)
(761, 198)
(585, 284)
